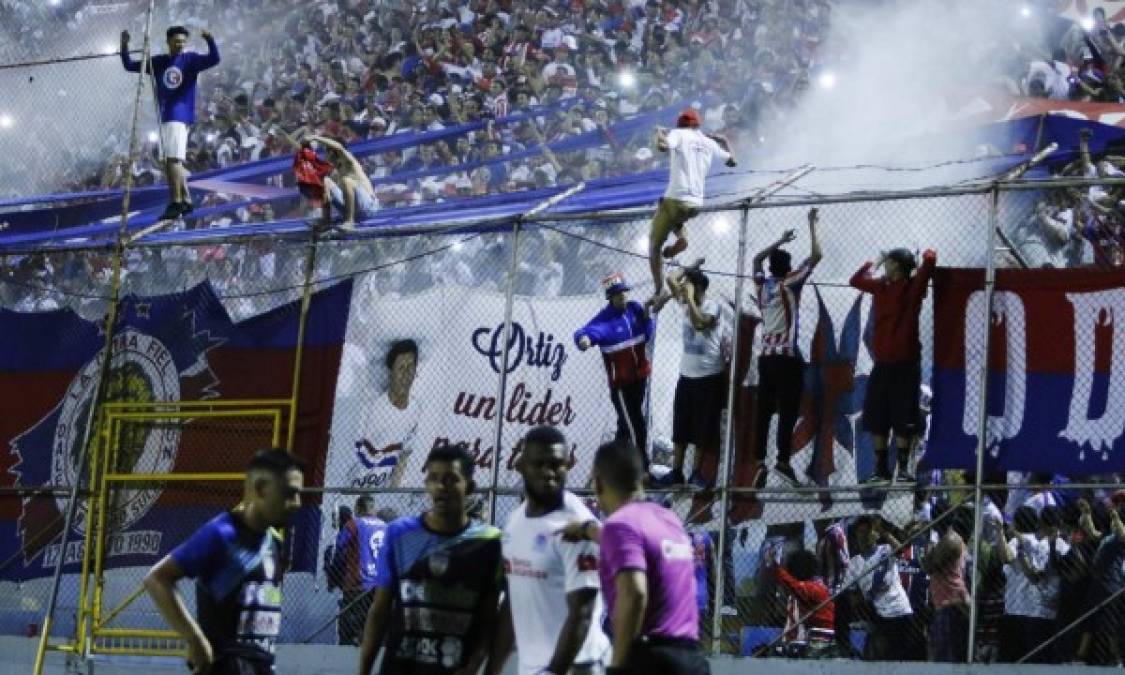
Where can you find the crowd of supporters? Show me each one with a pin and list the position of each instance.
(364, 69)
(1079, 61)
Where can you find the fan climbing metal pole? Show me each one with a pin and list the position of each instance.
(727, 457)
(509, 303)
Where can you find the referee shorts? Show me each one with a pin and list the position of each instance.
(650, 656)
(236, 664)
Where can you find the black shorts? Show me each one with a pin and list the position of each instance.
(698, 409)
(892, 399)
(354, 606)
(236, 664)
(672, 657)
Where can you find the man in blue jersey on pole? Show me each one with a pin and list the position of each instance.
(437, 581)
(354, 561)
(175, 74)
(237, 561)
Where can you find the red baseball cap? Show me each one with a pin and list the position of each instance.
(688, 118)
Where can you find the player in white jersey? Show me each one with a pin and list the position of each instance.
(691, 153)
(553, 602)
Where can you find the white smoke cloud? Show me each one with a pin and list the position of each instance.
(901, 74)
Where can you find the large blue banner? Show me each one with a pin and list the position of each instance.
(1056, 371)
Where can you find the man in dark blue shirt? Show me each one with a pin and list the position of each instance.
(175, 74)
(355, 562)
(237, 562)
(437, 581)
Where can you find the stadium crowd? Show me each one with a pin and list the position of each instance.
(1080, 61)
(1048, 557)
(361, 70)
(365, 70)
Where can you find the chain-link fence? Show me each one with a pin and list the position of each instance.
(763, 432)
(421, 361)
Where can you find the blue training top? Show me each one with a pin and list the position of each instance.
(356, 554)
(238, 574)
(441, 584)
(175, 79)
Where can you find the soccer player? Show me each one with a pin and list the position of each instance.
(175, 73)
(236, 560)
(691, 153)
(437, 582)
(553, 602)
(647, 572)
(355, 561)
(781, 370)
(623, 329)
(891, 401)
(351, 191)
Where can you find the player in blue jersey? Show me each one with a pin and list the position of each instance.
(437, 583)
(175, 74)
(354, 561)
(237, 562)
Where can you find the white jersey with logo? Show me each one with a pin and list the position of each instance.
(879, 581)
(691, 155)
(703, 349)
(1024, 597)
(388, 436)
(541, 570)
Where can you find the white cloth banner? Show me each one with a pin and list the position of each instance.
(452, 398)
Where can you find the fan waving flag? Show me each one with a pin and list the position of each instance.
(179, 347)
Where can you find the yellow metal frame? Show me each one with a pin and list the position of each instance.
(93, 636)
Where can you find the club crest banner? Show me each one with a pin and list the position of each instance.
(179, 347)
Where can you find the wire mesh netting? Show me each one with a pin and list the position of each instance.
(759, 432)
(421, 363)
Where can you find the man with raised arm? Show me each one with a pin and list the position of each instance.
(780, 366)
(691, 153)
(350, 191)
(175, 74)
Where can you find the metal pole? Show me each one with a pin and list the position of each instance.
(982, 410)
(982, 428)
(728, 442)
(502, 386)
(306, 300)
(103, 370)
(509, 303)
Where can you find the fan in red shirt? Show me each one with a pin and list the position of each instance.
(810, 614)
(309, 170)
(891, 402)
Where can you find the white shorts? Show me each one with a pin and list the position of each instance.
(173, 140)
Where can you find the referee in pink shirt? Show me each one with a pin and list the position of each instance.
(646, 570)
